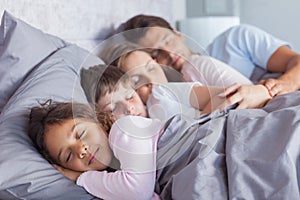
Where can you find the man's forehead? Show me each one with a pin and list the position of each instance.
(153, 36)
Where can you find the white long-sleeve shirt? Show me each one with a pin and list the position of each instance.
(173, 98)
(133, 141)
(167, 100)
(209, 71)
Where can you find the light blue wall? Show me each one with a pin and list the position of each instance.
(278, 17)
(197, 8)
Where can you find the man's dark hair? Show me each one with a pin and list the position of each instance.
(136, 27)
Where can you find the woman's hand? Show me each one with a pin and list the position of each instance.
(73, 175)
(247, 96)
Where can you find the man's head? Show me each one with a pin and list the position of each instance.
(168, 46)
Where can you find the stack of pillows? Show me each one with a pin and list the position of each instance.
(34, 67)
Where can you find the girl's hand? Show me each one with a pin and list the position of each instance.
(73, 175)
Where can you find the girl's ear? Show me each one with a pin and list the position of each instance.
(106, 120)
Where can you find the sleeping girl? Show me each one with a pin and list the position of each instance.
(70, 136)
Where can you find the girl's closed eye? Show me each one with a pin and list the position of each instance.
(69, 155)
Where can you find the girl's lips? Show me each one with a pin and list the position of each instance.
(92, 158)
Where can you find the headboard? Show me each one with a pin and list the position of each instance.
(87, 22)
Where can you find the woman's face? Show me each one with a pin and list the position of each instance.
(79, 145)
(144, 71)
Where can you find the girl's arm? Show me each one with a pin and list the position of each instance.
(118, 185)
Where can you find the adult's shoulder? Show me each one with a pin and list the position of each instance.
(243, 30)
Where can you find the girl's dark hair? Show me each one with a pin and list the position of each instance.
(51, 113)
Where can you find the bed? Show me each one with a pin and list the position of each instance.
(43, 48)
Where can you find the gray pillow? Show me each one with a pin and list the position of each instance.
(21, 49)
(25, 174)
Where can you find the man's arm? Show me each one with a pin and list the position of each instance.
(288, 62)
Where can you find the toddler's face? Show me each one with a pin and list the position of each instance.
(79, 145)
(144, 71)
(123, 101)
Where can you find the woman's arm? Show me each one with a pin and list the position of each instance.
(210, 71)
(206, 98)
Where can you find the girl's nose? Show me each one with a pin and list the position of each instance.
(83, 151)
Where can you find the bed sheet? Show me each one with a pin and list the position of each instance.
(242, 154)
